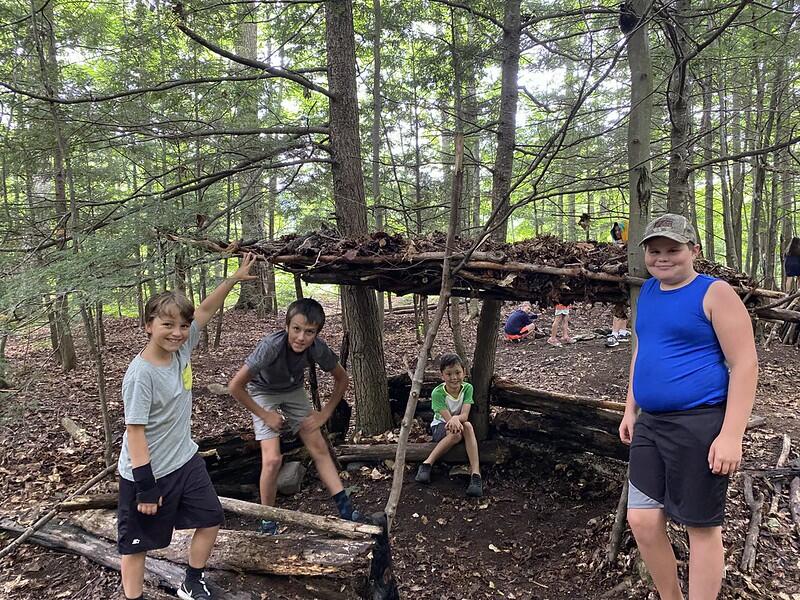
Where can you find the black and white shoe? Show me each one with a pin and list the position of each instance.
(624, 336)
(194, 590)
(611, 341)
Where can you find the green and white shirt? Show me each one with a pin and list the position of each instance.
(442, 400)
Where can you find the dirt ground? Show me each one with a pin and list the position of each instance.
(539, 532)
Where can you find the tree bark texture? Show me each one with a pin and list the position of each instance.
(362, 320)
(489, 320)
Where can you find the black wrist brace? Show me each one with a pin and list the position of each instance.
(147, 491)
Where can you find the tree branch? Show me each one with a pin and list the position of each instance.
(251, 62)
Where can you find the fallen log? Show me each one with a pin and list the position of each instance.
(73, 540)
(794, 503)
(564, 436)
(508, 394)
(332, 525)
(163, 573)
(491, 452)
(751, 541)
(298, 554)
(786, 447)
(777, 314)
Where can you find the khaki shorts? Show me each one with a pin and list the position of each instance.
(294, 406)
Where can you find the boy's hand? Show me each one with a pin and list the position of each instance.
(454, 425)
(243, 272)
(273, 420)
(150, 509)
(626, 427)
(314, 420)
(725, 454)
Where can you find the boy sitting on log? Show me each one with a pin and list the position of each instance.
(271, 380)
(451, 402)
(163, 482)
(693, 375)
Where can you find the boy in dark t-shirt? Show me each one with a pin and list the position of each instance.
(519, 323)
(271, 380)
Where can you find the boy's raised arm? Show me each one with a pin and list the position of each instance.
(215, 300)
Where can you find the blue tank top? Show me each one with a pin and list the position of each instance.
(679, 362)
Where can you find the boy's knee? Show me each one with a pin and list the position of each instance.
(271, 463)
(646, 524)
(456, 437)
(468, 428)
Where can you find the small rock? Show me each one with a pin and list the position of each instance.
(459, 470)
(354, 467)
(290, 478)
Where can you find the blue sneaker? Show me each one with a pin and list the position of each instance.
(268, 527)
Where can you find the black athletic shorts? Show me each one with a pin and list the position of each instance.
(189, 502)
(669, 465)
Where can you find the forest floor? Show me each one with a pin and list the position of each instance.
(540, 531)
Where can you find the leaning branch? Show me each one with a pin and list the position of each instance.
(251, 62)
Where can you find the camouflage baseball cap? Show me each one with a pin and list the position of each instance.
(674, 227)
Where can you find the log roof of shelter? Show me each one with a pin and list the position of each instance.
(545, 269)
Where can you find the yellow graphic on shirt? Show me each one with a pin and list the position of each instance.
(186, 376)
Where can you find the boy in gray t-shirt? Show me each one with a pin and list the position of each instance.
(163, 482)
(271, 380)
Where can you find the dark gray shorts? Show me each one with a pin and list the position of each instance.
(669, 465)
(439, 432)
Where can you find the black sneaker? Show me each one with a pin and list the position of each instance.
(475, 488)
(611, 341)
(268, 527)
(424, 473)
(194, 590)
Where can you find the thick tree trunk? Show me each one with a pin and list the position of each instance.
(252, 294)
(489, 321)
(362, 320)
(678, 108)
(639, 129)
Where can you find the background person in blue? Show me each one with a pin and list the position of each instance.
(519, 323)
(693, 374)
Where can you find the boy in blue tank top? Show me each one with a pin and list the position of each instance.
(693, 374)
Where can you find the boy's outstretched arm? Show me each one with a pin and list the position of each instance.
(733, 328)
(238, 389)
(341, 380)
(215, 300)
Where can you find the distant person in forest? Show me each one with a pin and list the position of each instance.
(451, 402)
(791, 262)
(163, 482)
(619, 324)
(270, 386)
(560, 324)
(693, 375)
(519, 323)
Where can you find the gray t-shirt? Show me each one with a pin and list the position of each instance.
(277, 369)
(160, 398)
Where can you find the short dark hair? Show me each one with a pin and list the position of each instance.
(310, 309)
(161, 303)
(450, 360)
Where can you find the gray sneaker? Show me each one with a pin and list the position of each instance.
(611, 341)
(475, 489)
(624, 336)
(424, 473)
